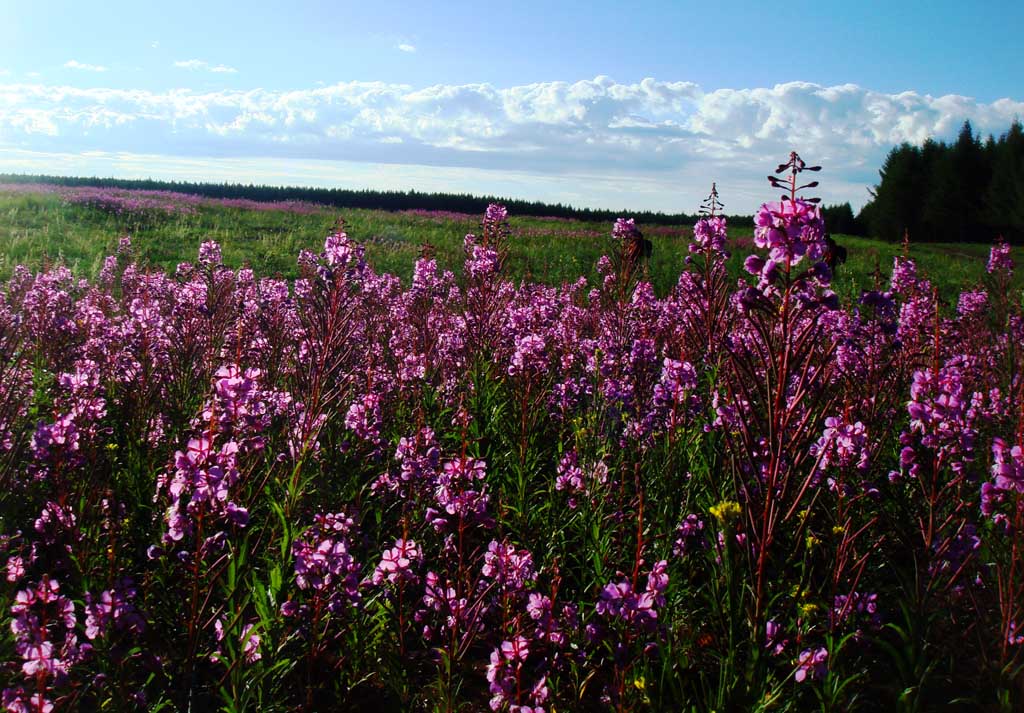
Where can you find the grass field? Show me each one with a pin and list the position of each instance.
(39, 228)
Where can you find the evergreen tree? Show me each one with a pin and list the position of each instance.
(1004, 199)
(964, 191)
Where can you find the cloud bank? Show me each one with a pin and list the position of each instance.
(650, 130)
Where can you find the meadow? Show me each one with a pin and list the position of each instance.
(39, 227)
(252, 460)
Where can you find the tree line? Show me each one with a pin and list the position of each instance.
(966, 191)
(370, 199)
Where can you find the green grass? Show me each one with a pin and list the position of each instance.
(37, 230)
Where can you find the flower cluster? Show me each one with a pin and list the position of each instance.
(1007, 484)
(789, 230)
(709, 234)
(943, 413)
(398, 563)
(842, 445)
(625, 229)
(639, 607)
(812, 665)
(43, 622)
(324, 564)
(999, 259)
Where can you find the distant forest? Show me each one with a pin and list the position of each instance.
(374, 200)
(967, 191)
(839, 218)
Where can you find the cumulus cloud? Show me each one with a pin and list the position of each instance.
(198, 65)
(645, 131)
(75, 64)
(406, 47)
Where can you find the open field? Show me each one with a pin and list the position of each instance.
(36, 228)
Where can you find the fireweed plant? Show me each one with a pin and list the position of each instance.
(225, 491)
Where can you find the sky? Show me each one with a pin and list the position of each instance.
(615, 105)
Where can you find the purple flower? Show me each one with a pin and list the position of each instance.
(1007, 483)
(397, 563)
(773, 638)
(812, 664)
(251, 644)
(618, 600)
(495, 213)
(529, 357)
(709, 234)
(790, 231)
(689, 535)
(843, 445)
(972, 303)
(510, 569)
(323, 562)
(209, 254)
(857, 604)
(113, 610)
(365, 418)
(342, 253)
(999, 259)
(624, 229)
(515, 650)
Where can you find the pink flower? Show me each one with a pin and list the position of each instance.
(812, 664)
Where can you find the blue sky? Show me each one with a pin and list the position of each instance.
(620, 105)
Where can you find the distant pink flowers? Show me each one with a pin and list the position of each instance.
(137, 202)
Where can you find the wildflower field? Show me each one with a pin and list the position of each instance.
(45, 224)
(556, 476)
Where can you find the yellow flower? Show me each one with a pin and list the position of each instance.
(726, 512)
(838, 529)
(812, 542)
(808, 610)
(640, 683)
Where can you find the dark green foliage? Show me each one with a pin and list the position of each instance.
(840, 219)
(966, 191)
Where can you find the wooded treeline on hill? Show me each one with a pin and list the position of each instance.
(967, 191)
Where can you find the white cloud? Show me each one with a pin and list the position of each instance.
(200, 65)
(675, 134)
(75, 64)
(406, 47)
